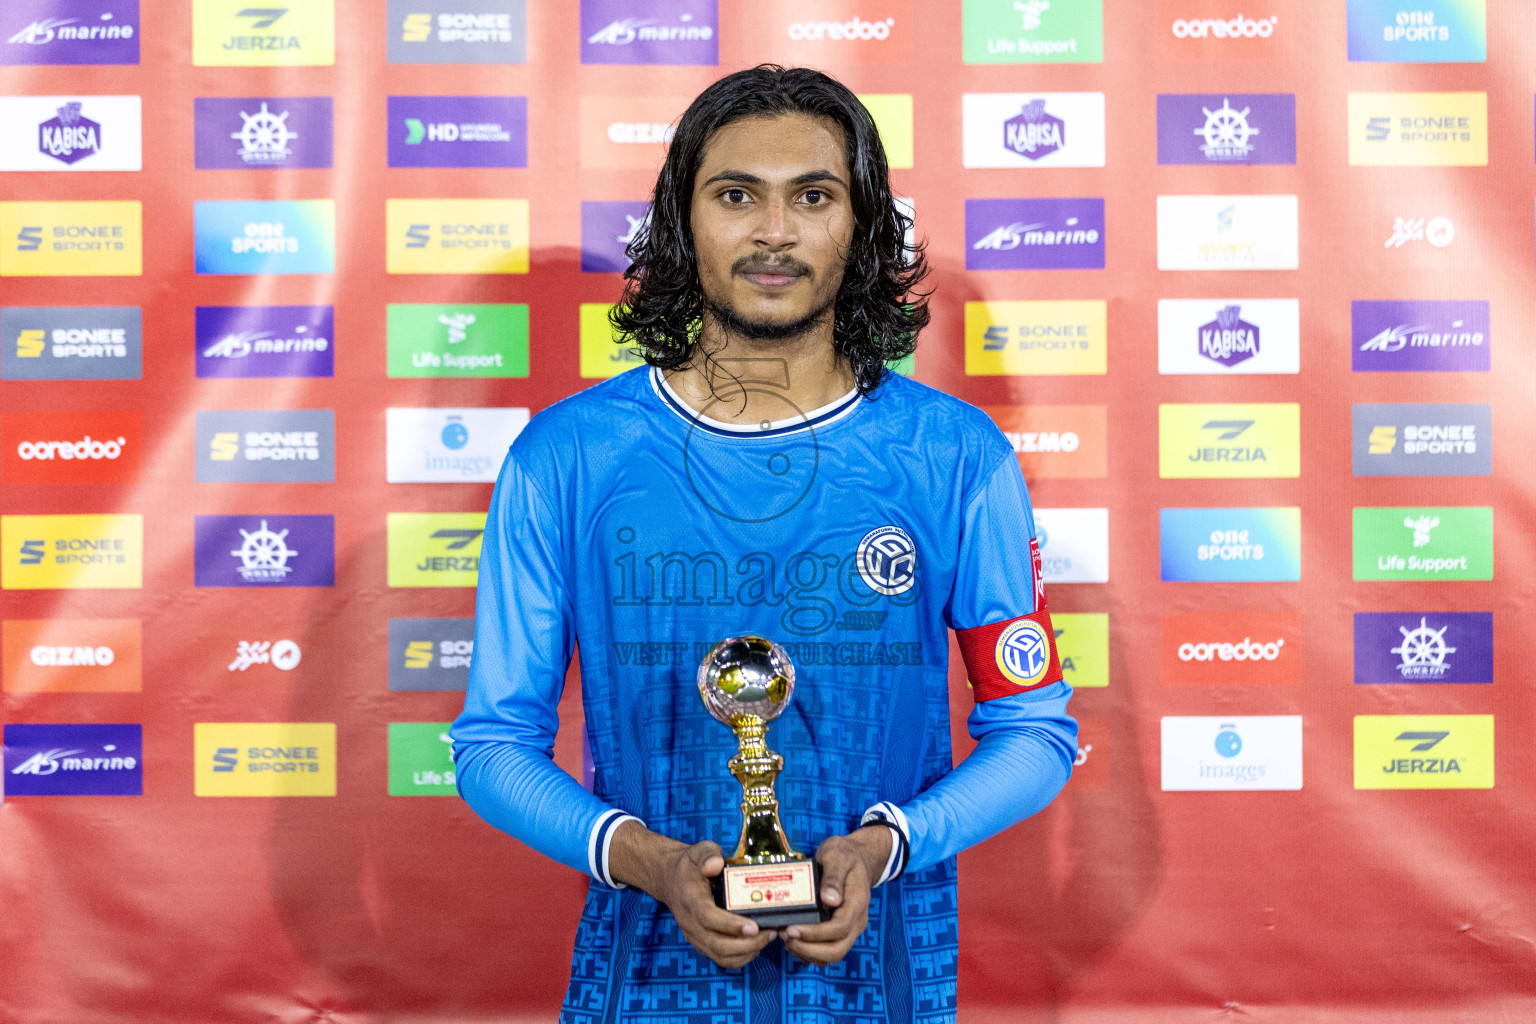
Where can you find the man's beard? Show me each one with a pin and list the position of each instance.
(732, 322)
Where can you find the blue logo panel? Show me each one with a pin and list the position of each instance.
(1423, 32)
(265, 237)
(1231, 544)
(74, 760)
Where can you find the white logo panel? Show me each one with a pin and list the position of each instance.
(1033, 129)
(1227, 233)
(434, 446)
(70, 133)
(1222, 336)
(1231, 752)
(1074, 544)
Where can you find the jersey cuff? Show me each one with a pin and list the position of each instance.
(888, 813)
(598, 842)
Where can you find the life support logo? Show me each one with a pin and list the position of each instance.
(1024, 652)
(887, 561)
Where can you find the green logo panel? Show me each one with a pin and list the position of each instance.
(1034, 31)
(1420, 542)
(459, 340)
(419, 760)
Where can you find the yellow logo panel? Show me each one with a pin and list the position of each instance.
(84, 238)
(264, 758)
(1229, 441)
(1082, 643)
(892, 113)
(1045, 338)
(435, 549)
(1423, 751)
(600, 357)
(236, 33)
(1418, 129)
(456, 236)
(72, 552)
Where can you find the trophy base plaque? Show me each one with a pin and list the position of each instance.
(773, 895)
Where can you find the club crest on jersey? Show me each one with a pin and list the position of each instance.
(887, 560)
(1024, 652)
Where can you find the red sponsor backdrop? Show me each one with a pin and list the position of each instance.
(1119, 902)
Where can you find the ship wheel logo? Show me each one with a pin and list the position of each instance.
(264, 137)
(1226, 133)
(264, 555)
(1423, 651)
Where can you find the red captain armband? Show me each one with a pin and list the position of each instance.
(1011, 656)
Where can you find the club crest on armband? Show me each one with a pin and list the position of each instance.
(1024, 653)
(887, 560)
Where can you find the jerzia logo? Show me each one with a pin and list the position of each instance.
(434, 549)
(235, 33)
(1255, 440)
(1424, 752)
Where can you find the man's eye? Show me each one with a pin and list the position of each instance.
(815, 197)
(735, 195)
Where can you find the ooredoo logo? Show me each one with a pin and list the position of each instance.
(1232, 28)
(69, 448)
(1229, 30)
(1232, 649)
(852, 29)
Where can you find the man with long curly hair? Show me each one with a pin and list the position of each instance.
(766, 473)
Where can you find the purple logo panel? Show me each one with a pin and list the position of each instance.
(1423, 647)
(74, 760)
(265, 551)
(1034, 234)
(606, 229)
(266, 341)
(1226, 128)
(655, 32)
(271, 131)
(1419, 335)
(69, 32)
(458, 131)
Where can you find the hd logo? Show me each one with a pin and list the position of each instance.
(1424, 752)
(456, 236)
(430, 654)
(72, 552)
(434, 549)
(264, 758)
(1229, 441)
(240, 33)
(85, 238)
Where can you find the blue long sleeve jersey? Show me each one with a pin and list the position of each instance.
(854, 536)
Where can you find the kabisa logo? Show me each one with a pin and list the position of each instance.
(237, 33)
(1423, 647)
(887, 560)
(282, 654)
(607, 229)
(1029, 31)
(1231, 544)
(1424, 752)
(71, 133)
(457, 32)
(1418, 129)
(1420, 335)
(1418, 31)
(265, 551)
(1034, 234)
(264, 759)
(463, 236)
(430, 654)
(70, 343)
(263, 132)
(1261, 752)
(1226, 128)
(71, 655)
(470, 340)
(72, 552)
(1437, 231)
(449, 445)
(1418, 543)
(70, 32)
(434, 549)
(1239, 27)
(458, 131)
(1207, 441)
(267, 446)
(70, 448)
(69, 136)
(1054, 129)
(74, 760)
(265, 341)
(265, 236)
(1422, 440)
(1231, 648)
(1229, 339)
(79, 238)
(1032, 133)
(671, 32)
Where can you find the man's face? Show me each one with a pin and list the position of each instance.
(771, 223)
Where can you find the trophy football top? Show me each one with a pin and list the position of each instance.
(746, 675)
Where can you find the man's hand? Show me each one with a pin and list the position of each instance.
(849, 864)
(678, 876)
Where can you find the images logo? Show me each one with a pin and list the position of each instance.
(628, 132)
(1427, 31)
(607, 229)
(72, 552)
(1421, 334)
(1232, 649)
(421, 759)
(70, 448)
(1229, 441)
(1243, 232)
(457, 32)
(74, 760)
(71, 655)
(600, 357)
(1074, 544)
(1033, 31)
(70, 133)
(469, 340)
(1418, 129)
(1226, 128)
(1255, 752)
(265, 551)
(1034, 234)
(1423, 647)
(69, 32)
(265, 236)
(1039, 338)
(1231, 544)
(674, 32)
(81, 238)
(1213, 336)
(1053, 129)
(458, 131)
(1082, 644)
(265, 341)
(264, 758)
(1422, 440)
(70, 343)
(1423, 751)
(263, 131)
(1055, 440)
(449, 445)
(233, 33)
(430, 654)
(456, 236)
(267, 446)
(434, 549)
(1419, 543)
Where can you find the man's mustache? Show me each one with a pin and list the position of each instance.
(763, 265)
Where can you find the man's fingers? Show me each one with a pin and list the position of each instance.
(837, 859)
(703, 854)
(845, 921)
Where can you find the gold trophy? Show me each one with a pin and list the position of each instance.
(746, 683)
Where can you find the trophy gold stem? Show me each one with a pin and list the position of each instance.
(756, 767)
